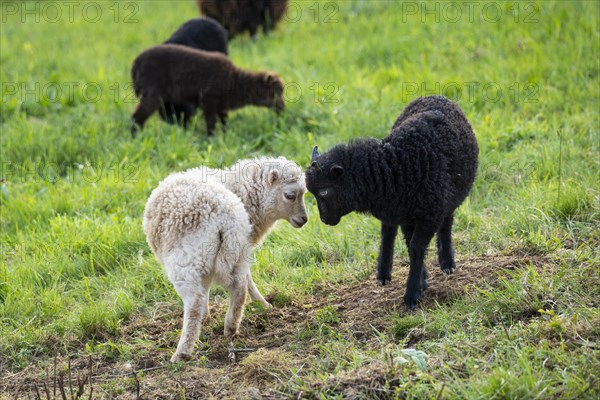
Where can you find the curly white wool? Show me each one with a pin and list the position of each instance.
(202, 225)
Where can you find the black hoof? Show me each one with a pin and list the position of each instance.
(383, 282)
(384, 276)
(411, 300)
(448, 267)
(134, 130)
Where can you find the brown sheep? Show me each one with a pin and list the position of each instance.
(198, 33)
(193, 78)
(277, 9)
(239, 16)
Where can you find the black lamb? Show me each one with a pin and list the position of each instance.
(201, 34)
(414, 178)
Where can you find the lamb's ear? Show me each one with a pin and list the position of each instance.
(270, 78)
(315, 154)
(337, 171)
(273, 176)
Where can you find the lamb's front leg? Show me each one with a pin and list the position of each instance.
(148, 105)
(195, 310)
(386, 253)
(255, 294)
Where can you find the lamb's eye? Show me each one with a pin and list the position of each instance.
(290, 196)
(323, 193)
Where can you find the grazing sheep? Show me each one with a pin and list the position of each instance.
(191, 78)
(202, 34)
(275, 11)
(239, 16)
(198, 33)
(202, 225)
(415, 178)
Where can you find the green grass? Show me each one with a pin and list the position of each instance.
(76, 275)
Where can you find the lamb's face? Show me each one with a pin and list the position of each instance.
(287, 198)
(325, 180)
(290, 204)
(273, 92)
(325, 186)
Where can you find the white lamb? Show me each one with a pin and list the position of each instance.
(202, 225)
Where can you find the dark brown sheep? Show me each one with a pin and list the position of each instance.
(192, 78)
(239, 16)
(198, 33)
(276, 10)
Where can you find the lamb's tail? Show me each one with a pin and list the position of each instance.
(135, 78)
(230, 248)
(234, 252)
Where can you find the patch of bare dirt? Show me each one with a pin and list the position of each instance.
(363, 304)
(273, 333)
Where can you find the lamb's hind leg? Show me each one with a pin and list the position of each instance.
(223, 118)
(444, 246)
(188, 111)
(254, 293)
(195, 311)
(148, 105)
(422, 235)
(210, 117)
(386, 254)
(407, 232)
(238, 289)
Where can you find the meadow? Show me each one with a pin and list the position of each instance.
(82, 296)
